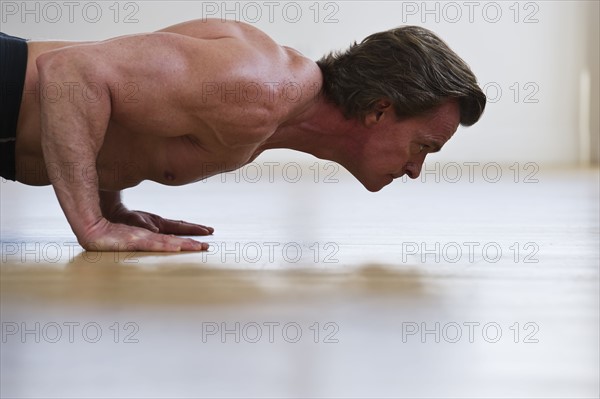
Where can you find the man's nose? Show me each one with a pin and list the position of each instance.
(413, 170)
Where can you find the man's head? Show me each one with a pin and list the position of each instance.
(409, 66)
(410, 90)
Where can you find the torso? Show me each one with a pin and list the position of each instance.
(131, 152)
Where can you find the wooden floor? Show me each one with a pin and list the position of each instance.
(425, 289)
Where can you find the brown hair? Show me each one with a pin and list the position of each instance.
(408, 65)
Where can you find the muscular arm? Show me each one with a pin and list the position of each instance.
(73, 130)
(72, 134)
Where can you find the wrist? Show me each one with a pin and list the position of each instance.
(87, 231)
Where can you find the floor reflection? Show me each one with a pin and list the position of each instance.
(155, 282)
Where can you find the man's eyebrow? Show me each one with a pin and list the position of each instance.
(435, 146)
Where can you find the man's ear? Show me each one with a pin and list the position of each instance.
(381, 109)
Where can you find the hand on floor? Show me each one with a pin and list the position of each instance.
(157, 224)
(142, 231)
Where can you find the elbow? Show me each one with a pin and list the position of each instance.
(62, 63)
(50, 63)
(69, 66)
(68, 78)
(43, 60)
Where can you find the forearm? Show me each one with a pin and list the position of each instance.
(72, 134)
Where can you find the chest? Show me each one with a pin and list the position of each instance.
(185, 161)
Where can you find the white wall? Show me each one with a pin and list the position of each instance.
(544, 57)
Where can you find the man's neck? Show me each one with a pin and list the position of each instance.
(320, 130)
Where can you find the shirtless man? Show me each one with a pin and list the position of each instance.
(204, 97)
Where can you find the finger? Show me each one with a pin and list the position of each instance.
(192, 245)
(179, 227)
(149, 244)
(184, 244)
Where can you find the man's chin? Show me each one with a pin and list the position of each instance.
(375, 186)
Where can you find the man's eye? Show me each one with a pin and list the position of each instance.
(418, 148)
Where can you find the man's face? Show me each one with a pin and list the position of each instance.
(394, 148)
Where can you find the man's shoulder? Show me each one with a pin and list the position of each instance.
(214, 29)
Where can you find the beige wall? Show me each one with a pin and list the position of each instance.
(539, 51)
(594, 68)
